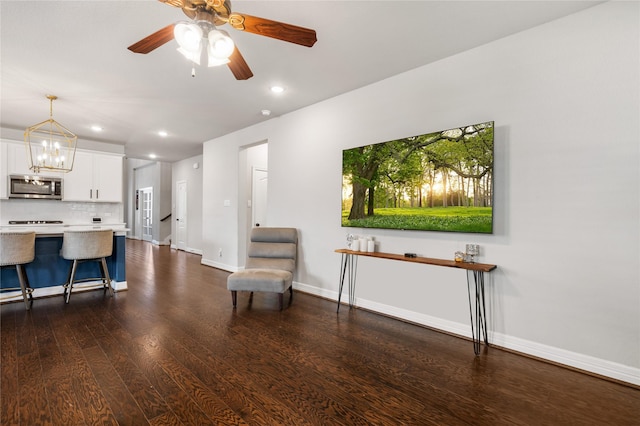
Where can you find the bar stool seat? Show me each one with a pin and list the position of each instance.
(87, 246)
(18, 249)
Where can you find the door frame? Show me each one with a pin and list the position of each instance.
(256, 196)
(181, 207)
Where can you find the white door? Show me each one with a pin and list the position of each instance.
(146, 212)
(259, 197)
(181, 215)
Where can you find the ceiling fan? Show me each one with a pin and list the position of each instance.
(211, 13)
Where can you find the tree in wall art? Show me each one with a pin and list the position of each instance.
(440, 181)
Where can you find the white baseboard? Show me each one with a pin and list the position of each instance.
(219, 265)
(580, 361)
(13, 296)
(188, 249)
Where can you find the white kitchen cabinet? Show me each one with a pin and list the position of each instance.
(95, 177)
(17, 161)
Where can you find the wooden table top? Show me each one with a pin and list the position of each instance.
(484, 267)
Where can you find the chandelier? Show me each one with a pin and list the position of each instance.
(50, 146)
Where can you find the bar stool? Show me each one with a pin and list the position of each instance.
(18, 249)
(87, 246)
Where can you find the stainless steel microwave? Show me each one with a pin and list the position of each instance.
(35, 187)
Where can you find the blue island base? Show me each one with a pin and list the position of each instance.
(49, 271)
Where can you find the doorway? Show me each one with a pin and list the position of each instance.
(252, 192)
(259, 197)
(181, 215)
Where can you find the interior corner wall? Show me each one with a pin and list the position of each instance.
(130, 167)
(164, 203)
(157, 175)
(185, 170)
(565, 100)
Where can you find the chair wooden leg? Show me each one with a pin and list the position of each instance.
(290, 294)
(280, 299)
(234, 298)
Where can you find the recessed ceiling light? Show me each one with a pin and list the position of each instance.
(152, 156)
(265, 112)
(96, 128)
(277, 89)
(163, 133)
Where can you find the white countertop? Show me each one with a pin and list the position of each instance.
(58, 229)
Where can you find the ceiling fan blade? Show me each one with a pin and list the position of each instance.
(153, 41)
(274, 29)
(238, 66)
(175, 3)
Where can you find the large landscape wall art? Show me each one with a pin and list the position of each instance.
(440, 181)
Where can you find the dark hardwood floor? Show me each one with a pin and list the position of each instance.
(171, 351)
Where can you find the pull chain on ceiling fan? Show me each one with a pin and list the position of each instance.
(201, 34)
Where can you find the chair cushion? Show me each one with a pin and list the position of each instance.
(271, 280)
(17, 248)
(80, 245)
(274, 235)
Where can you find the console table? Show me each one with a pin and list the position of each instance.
(349, 267)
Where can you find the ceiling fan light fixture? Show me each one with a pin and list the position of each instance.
(188, 36)
(214, 62)
(191, 56)
(220, 44)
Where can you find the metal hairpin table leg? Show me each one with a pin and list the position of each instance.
(348, 263)
(353, 269)
(343, 270)
(478, 316)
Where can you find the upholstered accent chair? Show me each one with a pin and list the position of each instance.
(271, 262)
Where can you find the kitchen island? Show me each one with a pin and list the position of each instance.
(49, 271)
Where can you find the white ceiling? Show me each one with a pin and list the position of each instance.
(77, 50)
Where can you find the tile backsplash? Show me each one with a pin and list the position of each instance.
(71, 213)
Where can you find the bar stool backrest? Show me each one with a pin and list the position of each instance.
(79, 245)
(17, 248)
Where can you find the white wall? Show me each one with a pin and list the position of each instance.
(565, 100)
(184, 171)
(164, 203)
